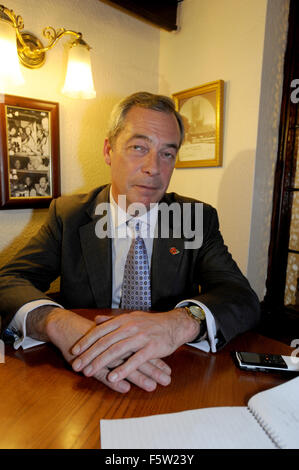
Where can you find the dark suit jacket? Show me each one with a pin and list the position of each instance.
(66, 246)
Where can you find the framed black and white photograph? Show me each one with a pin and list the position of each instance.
(202, 111)
(29, 152)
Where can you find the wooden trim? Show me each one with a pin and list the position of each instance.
(162, 14)
(35, 110)
(282, 196)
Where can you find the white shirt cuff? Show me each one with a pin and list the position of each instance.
(18, 323)
(204, 345)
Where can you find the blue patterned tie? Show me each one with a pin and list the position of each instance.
(136, 288)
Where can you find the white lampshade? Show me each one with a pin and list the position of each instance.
(10, 72)
(78, 81)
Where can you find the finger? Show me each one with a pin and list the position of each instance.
(156, 370)
(122, 387)
(155, 373)
(114, 364)
(142, 381)
(93, 335)
(113, 347)
(102, 318)
(99, 356)
(134, 362)
(162, 365)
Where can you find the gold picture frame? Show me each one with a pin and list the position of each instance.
(202, 111)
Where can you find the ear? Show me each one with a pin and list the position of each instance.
(107, 152)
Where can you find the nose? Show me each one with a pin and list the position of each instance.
(151, 163)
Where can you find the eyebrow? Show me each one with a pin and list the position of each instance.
(145, 137)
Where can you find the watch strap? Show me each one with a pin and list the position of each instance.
(200, 318)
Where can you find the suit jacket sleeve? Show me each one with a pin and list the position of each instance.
(223, 287)
(31, 272)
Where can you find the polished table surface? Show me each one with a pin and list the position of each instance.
(45, 405)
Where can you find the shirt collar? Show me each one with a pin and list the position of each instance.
(120, 217)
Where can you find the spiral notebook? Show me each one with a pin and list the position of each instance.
(271, 420)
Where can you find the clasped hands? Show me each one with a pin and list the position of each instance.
(124, 349)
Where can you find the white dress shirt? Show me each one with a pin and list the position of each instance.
(121, 241)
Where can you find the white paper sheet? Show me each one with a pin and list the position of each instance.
(208, 428)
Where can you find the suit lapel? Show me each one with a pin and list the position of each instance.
(167, 256)
(166, 259)
(97, 253)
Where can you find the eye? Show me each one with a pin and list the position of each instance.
(138, 149)
(168, 155)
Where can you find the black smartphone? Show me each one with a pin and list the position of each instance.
(265, 362)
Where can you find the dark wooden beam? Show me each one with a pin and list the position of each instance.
(162, 13)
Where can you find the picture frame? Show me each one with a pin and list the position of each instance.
(29, 152)
(202, 111)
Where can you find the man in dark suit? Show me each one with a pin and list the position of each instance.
(197, 291)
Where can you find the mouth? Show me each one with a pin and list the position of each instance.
(146, 187)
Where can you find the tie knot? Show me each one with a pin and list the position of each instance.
(135, 226)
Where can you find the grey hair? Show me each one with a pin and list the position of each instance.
(145, 100)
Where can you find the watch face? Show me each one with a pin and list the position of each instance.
(197, 311)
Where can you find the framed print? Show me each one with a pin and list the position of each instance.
(202, 112)
(29, 152)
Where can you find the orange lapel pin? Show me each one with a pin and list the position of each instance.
(173, 250)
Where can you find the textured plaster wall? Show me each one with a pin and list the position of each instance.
(125, 58)
(267, 142)
(222, 40)
(239, 41)
(243, 43)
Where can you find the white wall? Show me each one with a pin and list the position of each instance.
(243, 43)
(221, 40)
(239, 41)
(125, 58)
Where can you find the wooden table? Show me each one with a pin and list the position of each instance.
(45, 405)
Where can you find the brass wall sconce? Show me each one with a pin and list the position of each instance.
(21, 46)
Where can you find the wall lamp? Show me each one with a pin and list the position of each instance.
(18, 46)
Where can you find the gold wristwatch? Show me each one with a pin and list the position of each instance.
(197, 313)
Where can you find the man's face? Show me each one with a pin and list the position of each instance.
(143, 155)
(43, 182)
